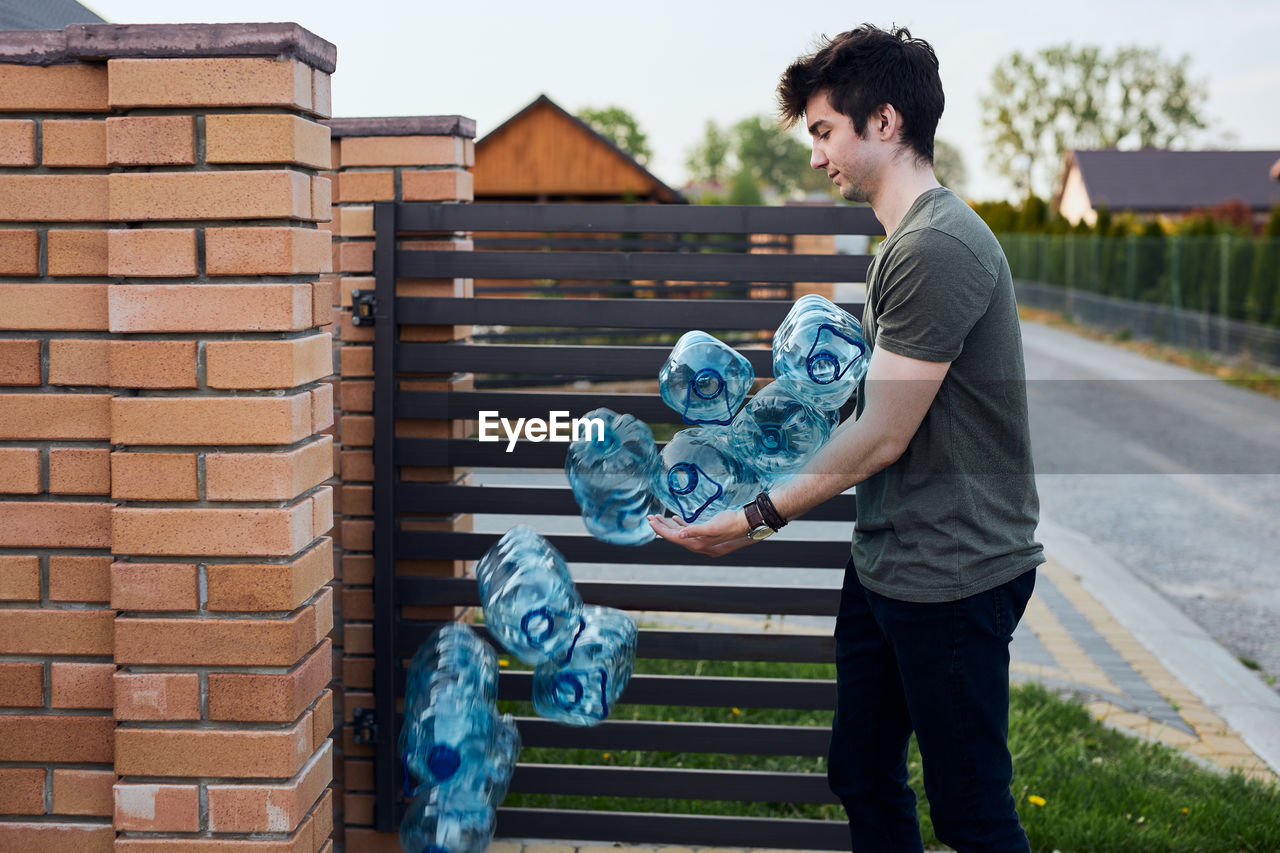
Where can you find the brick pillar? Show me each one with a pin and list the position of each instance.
(164, 614)
(419, 158)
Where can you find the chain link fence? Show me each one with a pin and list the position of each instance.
(1218, 293)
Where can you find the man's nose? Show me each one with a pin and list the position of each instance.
(817, 160)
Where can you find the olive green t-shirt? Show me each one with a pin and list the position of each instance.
(956, 514)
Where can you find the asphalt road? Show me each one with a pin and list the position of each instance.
(1175, 475)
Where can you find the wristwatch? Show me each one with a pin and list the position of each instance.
(763, 520)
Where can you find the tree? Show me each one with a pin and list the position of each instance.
(620, 128)
(708, 160)
(772, 155)
(1061, 98)
(948, 166)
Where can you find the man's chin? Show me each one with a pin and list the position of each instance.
(852, 193)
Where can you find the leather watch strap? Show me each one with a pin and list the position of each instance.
(769, 512)
(754, 517)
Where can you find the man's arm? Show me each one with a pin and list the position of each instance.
(899, 391)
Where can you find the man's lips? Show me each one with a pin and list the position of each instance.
(833, 175)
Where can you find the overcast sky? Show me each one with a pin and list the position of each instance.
(675, 65)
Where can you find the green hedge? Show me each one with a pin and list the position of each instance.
(1221, 274)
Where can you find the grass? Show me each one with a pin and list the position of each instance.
(1242, 373)
(1079, 785)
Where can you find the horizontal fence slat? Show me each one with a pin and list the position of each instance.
(631, 266)
(694, 691)
(682, 830)
(629, 218)
(608, 242)
(724, 738)
(570, 360)
(657, 782)
(626, 595)
(702, 691)
(451, 545)
(466, 405)
(685, 645)
(674, 314)
(440, 498)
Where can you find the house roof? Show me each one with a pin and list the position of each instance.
(545, 150)
(1161, 181)
(44, 14)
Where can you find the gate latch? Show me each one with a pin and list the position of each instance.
(366, 726)
(363, 304)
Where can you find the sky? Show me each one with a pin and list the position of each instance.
(676, 65)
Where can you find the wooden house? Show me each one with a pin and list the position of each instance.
(1170, 184)
(546, 154)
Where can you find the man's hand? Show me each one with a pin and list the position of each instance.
(724, 533)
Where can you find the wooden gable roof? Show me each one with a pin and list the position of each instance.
(544, 152)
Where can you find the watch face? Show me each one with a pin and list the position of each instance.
(764, 531)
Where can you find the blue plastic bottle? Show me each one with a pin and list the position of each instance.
(820, 351)
(437, 822)
(698, 474)
(456, 651)
(609, 476)
(447, 728)
(486, 783)
(777, 432)
(704, 379)
(530, 603)
(581, 688)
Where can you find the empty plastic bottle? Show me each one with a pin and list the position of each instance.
(457, 652)
(777, 431)
(609, 476)
(448, 727)
(530, 603)
(486, 783)
(581, 688)
(704, 379)
(438, 822)
(820, 350)
(698, 474)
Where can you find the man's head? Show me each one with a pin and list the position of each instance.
(864, 69)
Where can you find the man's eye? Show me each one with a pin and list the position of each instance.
(825, 135)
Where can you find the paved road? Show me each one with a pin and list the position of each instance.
(1175, 475)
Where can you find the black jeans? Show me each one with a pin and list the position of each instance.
(942, 671)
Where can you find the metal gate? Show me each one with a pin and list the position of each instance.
(655, 255)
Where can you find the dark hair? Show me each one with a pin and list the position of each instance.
(864, 69)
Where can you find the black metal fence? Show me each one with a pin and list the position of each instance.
(576, 340)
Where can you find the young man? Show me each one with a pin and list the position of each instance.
(943, 553)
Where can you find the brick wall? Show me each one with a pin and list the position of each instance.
(165, 437)
(422, 158)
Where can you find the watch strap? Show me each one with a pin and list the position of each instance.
(754, 517)
(769, 512)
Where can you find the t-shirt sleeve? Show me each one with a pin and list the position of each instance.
(930, 292)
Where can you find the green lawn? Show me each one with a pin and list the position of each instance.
(1102, 791)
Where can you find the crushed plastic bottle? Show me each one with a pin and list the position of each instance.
(530, 602)
(819, 350)
(447, 728)
(437, 822)
(581, 688)
(777, 432)
(609, 476)
(454, 651)
(698, 474)
(704, 379)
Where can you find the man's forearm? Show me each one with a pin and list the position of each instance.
(854, 453)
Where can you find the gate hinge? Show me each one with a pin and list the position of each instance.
(366, 727)
(363, 303)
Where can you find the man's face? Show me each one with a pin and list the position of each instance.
(851, 161)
